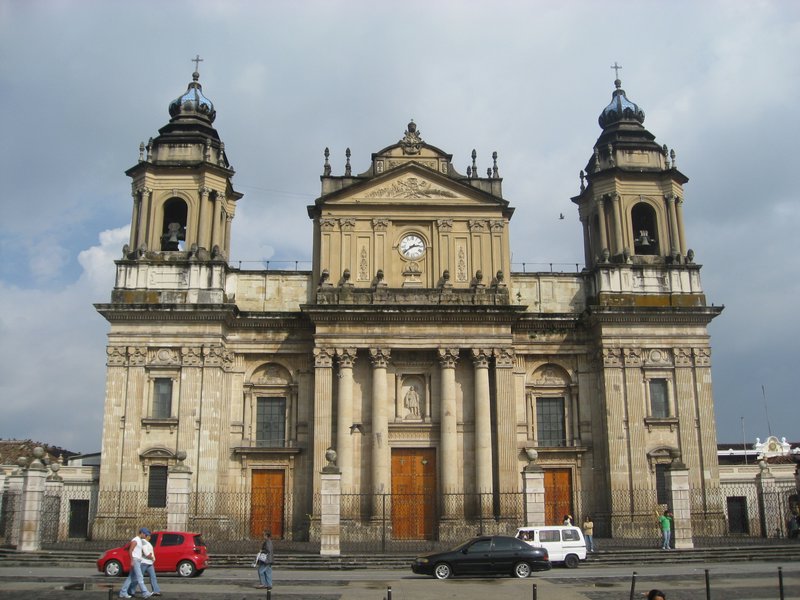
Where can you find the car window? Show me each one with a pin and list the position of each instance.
(479, 546)
(571, 535)
(549, 535)
(198, 540)
(525, 535)
(154, 540)
(502, 544)
(171, 539)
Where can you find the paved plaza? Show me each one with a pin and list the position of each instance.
(746, 581)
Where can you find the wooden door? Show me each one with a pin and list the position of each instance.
(413, 493)
(557, 495)
(266, 503)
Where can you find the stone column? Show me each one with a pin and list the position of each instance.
(323, 409)
(679, 217)
(381, 453)
(674, 234)
(449, 463)
(483, 431)
(32, 502)
(677, 477)
(16, 482)
(330, 507)
(601, 211)
(618, 239)
(533, 481)
(202, 225)
(507, 451)
(179, 485)
(345, 357)
(137, 207)
(216, 224)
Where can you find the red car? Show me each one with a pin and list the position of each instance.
(175, 551)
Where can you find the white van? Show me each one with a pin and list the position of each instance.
(564, 543)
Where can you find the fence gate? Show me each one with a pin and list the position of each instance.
(266, 503)
(79, 519)
(413, 493)
(557, 495)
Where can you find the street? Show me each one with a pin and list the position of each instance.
(736, 581)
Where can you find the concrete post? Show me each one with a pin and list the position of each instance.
(678, 482)
(770, 517)
(179, 485)
(32, 502)
(533, 480)
(330, 506)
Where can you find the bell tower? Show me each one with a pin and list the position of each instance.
(631, 194)
(183, 199)
(630, 205)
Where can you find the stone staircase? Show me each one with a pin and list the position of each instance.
(777, 553)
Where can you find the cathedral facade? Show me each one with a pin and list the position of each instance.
(411, 348)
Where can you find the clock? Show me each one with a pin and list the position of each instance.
(412, 246)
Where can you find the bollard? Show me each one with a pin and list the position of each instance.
(110, 593)
(388, 592)
(633, 584)
(780, 581)
(269, 594)
(708, 586)
(534, 591)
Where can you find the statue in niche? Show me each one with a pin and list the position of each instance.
(411, 402)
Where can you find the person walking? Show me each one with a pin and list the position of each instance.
(135, 551)
(588, 533)
(148, 565)
(265, 559)
(665, 523)
(656, 595)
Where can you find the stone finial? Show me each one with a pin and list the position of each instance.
(345, 280)
(141, 152)
(474, 164)
(495, 171)
(469, 172)
(180, 466)
(582, 175)
(38, 455)
(672, 156)
(150, 150)
(324, 278)
(55, 467)
(347, 170)
(326, 168)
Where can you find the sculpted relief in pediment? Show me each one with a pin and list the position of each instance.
(410, 187)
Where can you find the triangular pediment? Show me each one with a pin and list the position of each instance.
(413, 184)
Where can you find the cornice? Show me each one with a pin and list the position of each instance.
(504, 314)
(601, 315)
(167, 312)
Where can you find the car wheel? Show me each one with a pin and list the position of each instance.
(186, 568)
(522, 570)
(571, 561)
(113, 568)
(442, 571)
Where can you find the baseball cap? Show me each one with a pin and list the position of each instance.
(144, 530)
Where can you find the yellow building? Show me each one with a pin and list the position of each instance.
(411, 347)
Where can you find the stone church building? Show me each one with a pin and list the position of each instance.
(411, 348)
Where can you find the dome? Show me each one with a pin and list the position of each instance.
(193, 103)
(620, 109)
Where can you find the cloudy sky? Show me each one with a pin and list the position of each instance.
(83, 82)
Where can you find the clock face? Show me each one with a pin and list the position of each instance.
(412, 246)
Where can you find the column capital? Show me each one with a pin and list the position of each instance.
(480, 357)
(205, 191)
(448, 357)
(346, 357)
(380, 357)
(323, 357)
(504, 358)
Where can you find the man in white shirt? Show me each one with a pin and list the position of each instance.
(148, 559)
(135, 550)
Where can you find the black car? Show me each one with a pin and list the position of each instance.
(485, 555)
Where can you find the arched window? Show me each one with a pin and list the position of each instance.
(644, 221)
(173, 229)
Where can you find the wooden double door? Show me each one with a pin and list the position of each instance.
(414, 502)
(267, 500)
(557, 495)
